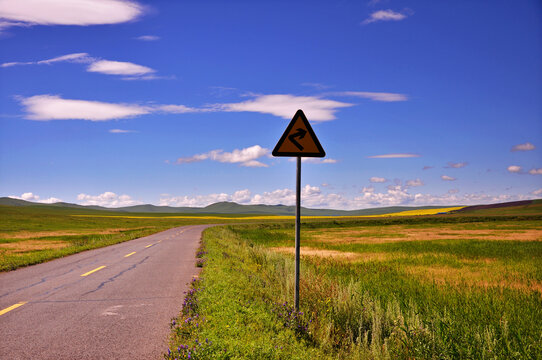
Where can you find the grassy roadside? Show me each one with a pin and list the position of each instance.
(370, 309)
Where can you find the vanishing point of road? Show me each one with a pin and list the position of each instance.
(110, 303)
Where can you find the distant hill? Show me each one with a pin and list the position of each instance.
(223, 208)
(525, 207)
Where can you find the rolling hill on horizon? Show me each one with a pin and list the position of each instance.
(222, 208)
(233, 208)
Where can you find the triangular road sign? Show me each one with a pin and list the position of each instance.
(299, 139)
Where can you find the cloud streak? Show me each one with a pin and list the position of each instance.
(119, 68)
(459, 165)
(244, 157)
(67, 12)
(108, 67)
(384, 15)
(285, 105)
(374, 96)
(523, 147)
(53, 107)
(148, 38)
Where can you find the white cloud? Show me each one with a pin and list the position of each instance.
(384, 15)
(148, 38)
(457, 165)
(28, 196)
(67, 12)
(178, 109)
(523, 147)
(414, 183)
(130, 70)
(118, 68)
(537, 192)
(245, 157)
(514, 169)
(53, 107)
(375, 96)
(453, 191)
(285, 106)
(376, 179)
(107, 199)
(121, 131)
(75, 57)
(393, 156)
(447, 178)
(535, 171)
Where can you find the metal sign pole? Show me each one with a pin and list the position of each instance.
(297, 229)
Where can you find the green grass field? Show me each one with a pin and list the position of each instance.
(460, 286)
(31, 235)
(453, 287)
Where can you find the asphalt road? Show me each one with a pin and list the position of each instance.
(109, 303)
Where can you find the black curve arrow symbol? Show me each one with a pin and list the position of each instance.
(299, 134)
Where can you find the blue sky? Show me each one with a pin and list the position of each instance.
(181, 102)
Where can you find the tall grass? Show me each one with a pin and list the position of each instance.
(367, 310)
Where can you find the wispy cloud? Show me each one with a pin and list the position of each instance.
(514, 169)
(118, 68)
(375, 96)
(285, 105)
(535, 171)
(386, 15)
(76, 57)
(452, 165)
(414, 183)
(447, 178)
(67, 12)
(148, 38)
(109, 67)
(394, 156)
(317, 86)
(427, 167)
(523, 147)
(244, 157)
(53, 107)
(376, 179)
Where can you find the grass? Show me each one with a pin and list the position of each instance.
(470, 290)
(31, 235)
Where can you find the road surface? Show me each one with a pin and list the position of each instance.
(109, 303)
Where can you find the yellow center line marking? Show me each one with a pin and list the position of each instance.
(91, 271)
(130, 254)
(2, 312)
(149, 245)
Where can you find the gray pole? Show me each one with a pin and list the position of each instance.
(297, 228)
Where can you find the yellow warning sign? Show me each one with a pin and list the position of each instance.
(299, 139)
